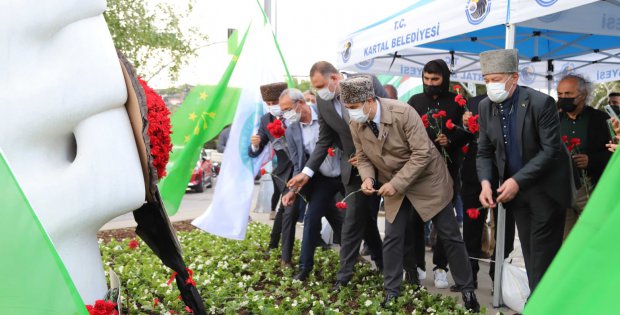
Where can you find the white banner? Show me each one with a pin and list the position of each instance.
(524, 10)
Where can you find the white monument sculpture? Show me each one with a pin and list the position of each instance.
(64, 128)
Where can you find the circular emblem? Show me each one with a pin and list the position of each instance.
(546, 3)
(346, 51)
(366, 64)
(477, 10)
(527, 75)
(567, 68)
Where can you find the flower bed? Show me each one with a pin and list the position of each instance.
(235, 277)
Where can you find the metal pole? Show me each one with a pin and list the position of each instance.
(500, 240)
(511, 32)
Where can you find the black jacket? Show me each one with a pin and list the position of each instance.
(546, 163)
(284, 167)
(598, 137)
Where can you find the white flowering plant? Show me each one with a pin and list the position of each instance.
(235, 277)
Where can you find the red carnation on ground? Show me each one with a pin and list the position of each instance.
(425, 120)
(341, 205)
(188, 309)
(330, 151)
(102, 308)
(133, 244)
(465, 148)
(565, 139)
(450, 125)
(159, 129)
(155, 302)
(473, 213)
(276, 129)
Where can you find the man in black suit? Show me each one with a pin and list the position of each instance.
(520, 133)
(580, 121)
(283, 170)
(361, 214)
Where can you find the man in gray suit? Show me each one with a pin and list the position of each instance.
(361, 214)
(520, 134)
(301, 137)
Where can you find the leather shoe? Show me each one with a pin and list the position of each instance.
(389, 298)
(302, 275)
(286, 264)
(412, 278)
(471, 303)
(457, 288)
(338, 286)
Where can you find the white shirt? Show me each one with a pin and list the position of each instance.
(310, 135)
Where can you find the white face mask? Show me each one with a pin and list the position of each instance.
(291, 115)
(275, 110)
(325, 93)
(497, 91)
(358, 114)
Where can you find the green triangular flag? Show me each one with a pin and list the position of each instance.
(33, 278)
(570, 286)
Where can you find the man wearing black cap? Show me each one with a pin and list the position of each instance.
(283, 170)
(520, 134)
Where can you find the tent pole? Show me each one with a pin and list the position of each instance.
(511, 32)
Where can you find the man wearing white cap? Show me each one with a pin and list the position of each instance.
(520, 134)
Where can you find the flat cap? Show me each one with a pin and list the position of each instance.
(356, 90)
(499, 61)
(271, 92)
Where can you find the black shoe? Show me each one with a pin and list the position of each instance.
(338, 286)
(302, 275)
(471, 303)
(412, 278)
(365, 251)
(389, 298)
(268, 251)
(457, 288)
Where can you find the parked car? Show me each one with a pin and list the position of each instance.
(202, 175)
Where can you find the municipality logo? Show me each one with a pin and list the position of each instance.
(477, 10)
(546, 3)
(527, 75)
(366, 64)
(346, 52)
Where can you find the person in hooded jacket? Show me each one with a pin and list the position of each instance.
(437, 99)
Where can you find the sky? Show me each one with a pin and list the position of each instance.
(307, 31)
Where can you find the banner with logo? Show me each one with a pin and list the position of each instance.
(423, 22)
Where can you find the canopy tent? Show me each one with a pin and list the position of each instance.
(554, 38)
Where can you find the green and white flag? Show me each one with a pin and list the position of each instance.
(33, 278)
(405, 86)
(260, 62)
(583, 277)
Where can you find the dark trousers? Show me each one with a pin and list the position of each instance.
(360, 222)
(320, 195)
(540, 222)
(276, 230)
(289, 220)
(472, 233)
(447, 231)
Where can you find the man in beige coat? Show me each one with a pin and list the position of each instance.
(392, 148)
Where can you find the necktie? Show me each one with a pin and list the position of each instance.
(373, 126)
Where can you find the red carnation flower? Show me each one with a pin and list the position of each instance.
(449, 124)
(473, 213)
(425, 120)
(575, 141)
(159, 129)
(188, 309)
(133, 244)
(465, 149)
(565, 139)
(155, 302)
(436, 116)
(442, 113)
(341, 205)
(262, 171)
(457, 88)
(330, 151)
(102, 307)
(472, 124)
(276, 129)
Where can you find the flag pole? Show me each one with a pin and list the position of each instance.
(500, 240)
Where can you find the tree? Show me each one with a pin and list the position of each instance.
(602, 90)
(152, 37)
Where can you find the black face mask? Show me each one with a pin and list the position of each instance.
(567, 104)
(616, 109)
(432, 90)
